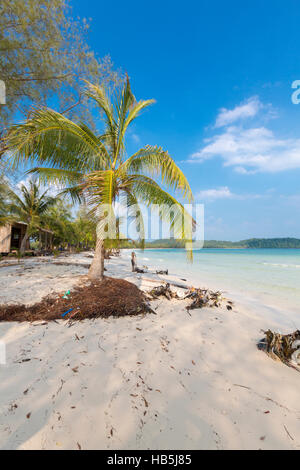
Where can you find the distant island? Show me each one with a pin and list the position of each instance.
(255, 243)
(250, 243)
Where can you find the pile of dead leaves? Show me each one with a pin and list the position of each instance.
(110, 297)
(286, 348)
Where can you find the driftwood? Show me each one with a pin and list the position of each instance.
(66, 263)
(8, 265)
(163, 291)
(200, 297)
(154, 281)
(139, 270)
(285, 348)
(163, 272)
(69, 263)
(203, 298)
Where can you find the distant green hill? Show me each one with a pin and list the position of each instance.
(250, 243)
(255, 243)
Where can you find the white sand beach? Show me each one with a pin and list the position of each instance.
(165, 381)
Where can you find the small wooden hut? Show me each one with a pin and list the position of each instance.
(11, 236)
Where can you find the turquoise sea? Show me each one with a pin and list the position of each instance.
(271, 276)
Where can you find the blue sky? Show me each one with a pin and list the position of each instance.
(221, 73)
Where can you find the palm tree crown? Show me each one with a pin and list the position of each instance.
(30, 207)
(94, 166)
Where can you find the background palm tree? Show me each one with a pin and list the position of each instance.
(58, 219)
(94, 166)
(84, 227)
(4, 206)
(30, 208)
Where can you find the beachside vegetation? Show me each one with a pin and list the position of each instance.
(44, 56)
(29, 208)
(69, 229)
(4, 208)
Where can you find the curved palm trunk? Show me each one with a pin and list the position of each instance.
(24, 241)
(96, 270)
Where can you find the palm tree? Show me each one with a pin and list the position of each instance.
(94, 166)
(58, 219)
(30, 208)
(84, 227)
(4, 209)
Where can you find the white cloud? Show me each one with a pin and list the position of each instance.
(223, 192)
(212, 194)
(23, 182)
(243, 111)
(251, 150)
(52, 190)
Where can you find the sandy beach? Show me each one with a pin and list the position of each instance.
(168, 380)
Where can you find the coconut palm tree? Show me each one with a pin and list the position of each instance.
(4, 208)
(84, 227)
(58, 219)
(94, 165)
(30, 208)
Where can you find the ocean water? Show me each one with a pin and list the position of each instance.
(270, 276)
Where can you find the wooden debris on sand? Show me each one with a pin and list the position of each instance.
(163, 291)
(200, 297)
(285, 348)
(203, 298)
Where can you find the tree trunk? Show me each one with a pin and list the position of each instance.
(23, 243)
(96, 270)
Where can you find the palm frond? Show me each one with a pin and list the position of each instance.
(132, 204)
(101, 187)
(156, 162)
(98, 94)
(135, 111)
(170, 210)
(76, 193)
(52, 139)
(57, 176)
(122, 107)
